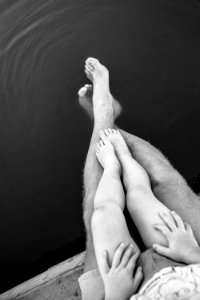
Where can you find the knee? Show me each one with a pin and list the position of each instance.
(166, 177)
(104, 215)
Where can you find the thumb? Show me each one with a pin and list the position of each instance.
(138, 278)
(162, 250)
(105, 266)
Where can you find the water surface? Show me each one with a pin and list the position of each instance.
(152, 49)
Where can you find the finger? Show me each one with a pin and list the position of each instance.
(168, 220)
(162, 250)
(163, 229)
(132, 262)
(138, 277)
(118, 255)
(105, 266)
(188, 227)
(178, 220)
(126, 256)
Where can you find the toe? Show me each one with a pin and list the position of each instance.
(88, 86)
(101, 143)
(102, 135)
(98, 146)
(82, 91)
(106, 132)
(92, 61)
(89, 67)
(88, 73)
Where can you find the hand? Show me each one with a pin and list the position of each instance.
(118, 279)
(181, 241)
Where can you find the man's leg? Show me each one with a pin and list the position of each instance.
(108, 223)
(167, 184)
(103, 117)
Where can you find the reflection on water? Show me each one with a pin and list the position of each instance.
(29, 31)
(152, 52)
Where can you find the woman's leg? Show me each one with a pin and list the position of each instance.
(143, 206)
(166, 182)
(109, 227)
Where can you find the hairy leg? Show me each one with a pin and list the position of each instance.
(167, 184)
(108, 223)
(103, 117)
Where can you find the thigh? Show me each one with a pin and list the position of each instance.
(90, 262)
(175, 193)
(109, 229)
(153, 262)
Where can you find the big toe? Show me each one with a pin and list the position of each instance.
(93, 62)
(85, 90)
(82, 92)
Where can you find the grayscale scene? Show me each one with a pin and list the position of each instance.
(100, 149)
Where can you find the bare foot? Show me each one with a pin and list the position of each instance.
(99, 75)
(85, 100)
(133, 172)
(102, 100)
(106, 155)
(94, 70)
(116, 140)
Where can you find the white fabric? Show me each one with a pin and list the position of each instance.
(172, 283)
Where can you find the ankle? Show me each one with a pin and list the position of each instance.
(113, 169)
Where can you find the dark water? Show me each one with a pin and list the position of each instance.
(152, 49)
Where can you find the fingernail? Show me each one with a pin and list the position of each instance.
(131, 246)
(122, 244)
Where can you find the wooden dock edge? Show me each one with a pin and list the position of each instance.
(59, 269)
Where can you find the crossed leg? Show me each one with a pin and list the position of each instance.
(142, 204)
(168, 185)
(103, 117)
